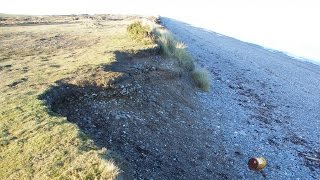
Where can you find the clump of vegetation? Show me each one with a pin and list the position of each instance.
(183, 57)
(177, 50)
(100, 169)
(201, 78)
(168, 44)
(140, 32)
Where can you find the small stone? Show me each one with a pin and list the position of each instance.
(152, 98)
(113, 114)
(242, 132)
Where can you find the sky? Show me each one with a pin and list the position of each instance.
(291, 26)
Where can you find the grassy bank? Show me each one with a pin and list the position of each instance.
(34, 142)
(172, 48)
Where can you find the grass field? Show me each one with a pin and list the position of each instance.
(34, 142)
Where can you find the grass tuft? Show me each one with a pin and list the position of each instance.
(140, 32)
(185, 60)
(175, 49)
(201, 78)
(167, 44)
(100, 169)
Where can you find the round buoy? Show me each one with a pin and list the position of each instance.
(257, 163)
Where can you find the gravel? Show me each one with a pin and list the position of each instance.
(149, 119)
(264, 102)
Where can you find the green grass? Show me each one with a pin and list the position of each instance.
(169, 46)
(140, 32)
(34, 142)
(175, 49)
(201, 78)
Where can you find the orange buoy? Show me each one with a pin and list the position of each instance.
(257, 163)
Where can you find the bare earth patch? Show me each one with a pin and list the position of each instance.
(142, 109)
(81, 99)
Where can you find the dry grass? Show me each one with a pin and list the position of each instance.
(34, 142)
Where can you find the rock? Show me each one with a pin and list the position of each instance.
(242, 132)
(113, 114)
(152, 99)
(117, 117)
(122, 116)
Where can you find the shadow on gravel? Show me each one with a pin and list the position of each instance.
(142, 108)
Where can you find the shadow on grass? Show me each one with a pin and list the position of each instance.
(66, 89)
(141, 109)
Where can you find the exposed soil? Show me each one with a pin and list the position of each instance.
(144, 111)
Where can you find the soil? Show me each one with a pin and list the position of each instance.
(142, 107)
